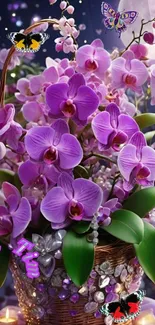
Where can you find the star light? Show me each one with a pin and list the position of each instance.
(6, 28)
(13, 14)
(19, 23)
(85, 41)
(35, 18)
(80, 1)
(13, 75)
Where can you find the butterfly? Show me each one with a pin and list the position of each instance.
(28, 43)
(125, 309)
(117, 20)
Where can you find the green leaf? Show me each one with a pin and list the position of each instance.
(145, 120)
(141, 202)
(6, 176)
(145, 251)
(80, 172)
(149, 135)
(78, 255)
(81, 227)
(126, 226)
(4, 263)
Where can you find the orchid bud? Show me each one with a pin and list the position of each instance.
(63, 5)
(52, 2)
(59, 47)
(2, 150)
(70, 10)
(71, 21)
(148, 38)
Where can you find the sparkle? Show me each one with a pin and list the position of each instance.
(0, 18)
(44, 50)
(13, 75)
(35, 18)
(34, 294)
(80, 1)
(6, 28)
(19, 23)
(13, 14)
(85, 41)
(37, 5)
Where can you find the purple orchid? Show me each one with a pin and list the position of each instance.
(73, 99)
(106, 209)
(10, 131)
(14, 59)
(112, 129)
(136, 162)
(71, 200)
(93, 58)
(53, 144)
(128, 72)
(15, 214)
(38, 174)
(152, 84)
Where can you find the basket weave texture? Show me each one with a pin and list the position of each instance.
(57, 312)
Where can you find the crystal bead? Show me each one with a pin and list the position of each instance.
(45, 260)
(95, 241)
(123, 275)
(97, 314)
(83, 291)
(64, 294)
(111, 297)
(130, 269)
(105, 265)
(99, 296)
(91, 307)
(73, 313)
(75, 298)
(38, 312)
(118, 270)
(56, 281)
(103, 281)
(58, 255)
(60, 234)
(108, 320)
(93, 274)
(95, 234)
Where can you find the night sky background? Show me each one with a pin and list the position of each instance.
(17, 15)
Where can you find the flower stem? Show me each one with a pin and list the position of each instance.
(100, 157)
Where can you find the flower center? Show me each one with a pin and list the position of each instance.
(130, 79)
(68, 108)
(76, 210)
(91, 65)
(143, 173)
(50, 156)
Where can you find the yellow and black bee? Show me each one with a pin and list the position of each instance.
(28, 43)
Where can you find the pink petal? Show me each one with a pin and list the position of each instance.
(102, 127)
(21, 217)
(51, 75)
(70, 151)
(74, 83)
(117, 71)
(36, 84)
(148, 159)
(9, 189)
(103, 59)
(140, 71)
(88, 194)
(86, 102)
(127, 160)
(127, 124)
(114, 112)
(54, 206)
(66, 182)
(32, 111)
(83, 54)
(37, 140)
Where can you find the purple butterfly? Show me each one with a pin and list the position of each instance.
(117, 20)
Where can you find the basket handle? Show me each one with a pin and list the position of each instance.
(12, 50)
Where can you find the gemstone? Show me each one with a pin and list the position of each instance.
(112, 280)
(52, 291)
(108, 320)
(73, 288)
(83, 291)
(90, 282)
(123, 294)
(111, 297)
(118, 270)
(123, 275)
(58, 271)
(98, 270)
(109, 271)
(92, 289)
(56, 281)
(58, 255)
(38, 312)
(39, 243)
(47, 271)
(103, 281)
(93, 274)
(91, 307)
(45, 260)
(41, 287)
(105, 266)
(118, 287)
(75, 298)
(73, 313)
(64, 294)
(109, 288)
(99, 296)
(130, 269)
(60, 234)
(66, 281)
(97, 314)
(55, 245)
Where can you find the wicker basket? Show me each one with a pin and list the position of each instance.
(53, 311)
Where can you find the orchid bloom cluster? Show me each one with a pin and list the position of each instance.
(77, 120)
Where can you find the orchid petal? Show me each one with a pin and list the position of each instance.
(127, 160)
